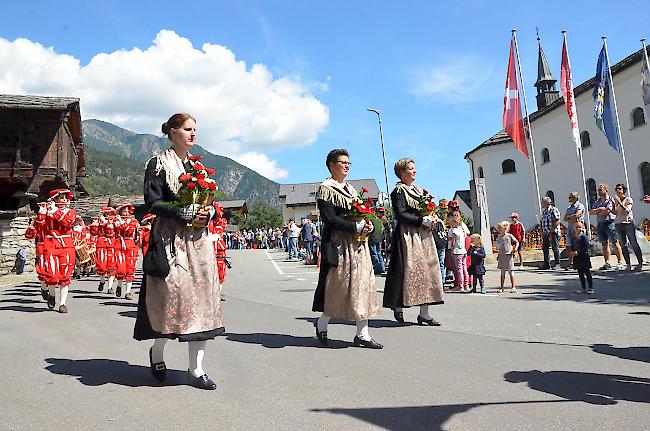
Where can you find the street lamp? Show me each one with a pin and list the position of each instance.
(381, 136)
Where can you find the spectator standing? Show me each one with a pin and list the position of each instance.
(293, 232)
(439, 232)
(457, 235)
(518, 230)
(574, 213)
(21, 258)
(477, 265)
(506, 244)
(603, 209)
(307, 235)
(625, 228)
(582, 258)
(550, 222)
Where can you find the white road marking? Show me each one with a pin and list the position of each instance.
(290, 276)
(301, 279)
(277, 268)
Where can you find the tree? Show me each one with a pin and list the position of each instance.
(260, 215)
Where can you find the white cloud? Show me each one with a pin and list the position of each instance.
(458, 81)
(241, 111)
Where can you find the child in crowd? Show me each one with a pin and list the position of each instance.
(457, 234)
(477, 266)
(506, 244)
(582, 258)
(518, 230)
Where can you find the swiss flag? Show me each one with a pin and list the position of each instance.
(513, 121)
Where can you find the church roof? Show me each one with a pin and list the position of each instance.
(543, 69)
(502, 138)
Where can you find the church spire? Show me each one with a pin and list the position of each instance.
(546, 92)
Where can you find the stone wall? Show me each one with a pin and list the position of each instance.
(12, 236)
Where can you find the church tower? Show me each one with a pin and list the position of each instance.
(546, 92)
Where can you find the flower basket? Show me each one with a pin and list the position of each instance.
(358, 237)
(197, 188)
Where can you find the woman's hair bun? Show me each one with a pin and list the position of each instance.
(165, 128)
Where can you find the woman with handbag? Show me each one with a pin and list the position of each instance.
(346, 282)
(412, 280)
(179, 298)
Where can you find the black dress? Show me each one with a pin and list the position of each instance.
(158, 194)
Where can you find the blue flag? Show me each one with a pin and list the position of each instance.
(604, 103)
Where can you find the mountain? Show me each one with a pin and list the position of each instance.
(234, 179)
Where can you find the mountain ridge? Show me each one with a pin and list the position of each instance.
(233, 178)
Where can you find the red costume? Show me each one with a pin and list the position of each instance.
(35, 232)
(125, 246)
(105, 259)
(58, 246)
(145, 232)
(216, 227)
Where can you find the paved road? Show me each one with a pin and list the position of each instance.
(541, 359)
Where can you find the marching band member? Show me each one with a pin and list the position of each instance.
(126, 249)
(79, 236)
(105, 263)
(145, 232)
(56, 220)
(216, 228)
(35, 232)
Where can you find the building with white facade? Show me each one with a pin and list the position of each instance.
(507, 174)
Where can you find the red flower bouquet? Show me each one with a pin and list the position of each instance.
(196, 186)
(427, 203)
(363, 209)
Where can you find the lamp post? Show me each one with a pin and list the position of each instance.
(383, 153)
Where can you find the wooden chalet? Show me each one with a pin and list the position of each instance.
(41, 149)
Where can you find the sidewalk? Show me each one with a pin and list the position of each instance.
(13, 279)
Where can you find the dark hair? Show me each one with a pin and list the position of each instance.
(623, 186)
(176, 121)
(333, 156)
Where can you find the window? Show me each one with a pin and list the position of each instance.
(546, 156)
(480, 172)
(592, 194)
(637, 117)
(645, 177)
(508, 166)
(550, 194)
(585, 141)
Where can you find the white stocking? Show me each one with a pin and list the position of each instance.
(424, 312)
(111, 279)
(128, 286)
(196, 350)
(102, 279)
(158, 349)
(322, 322)
(64, 295)
(362, 330)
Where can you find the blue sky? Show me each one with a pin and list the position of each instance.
(436, 72)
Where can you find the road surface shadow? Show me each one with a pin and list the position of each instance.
(132, 313)
(640, 313)
(22, 301)
(120, 304)
(373, 323)
(278, 341)
(23, 309)
(417, 418)
(636, 353)
(98, 372)
(592, 388)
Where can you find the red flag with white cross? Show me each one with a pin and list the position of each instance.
(513, 121)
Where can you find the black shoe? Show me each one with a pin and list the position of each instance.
(159, 370)
(101, 286)
(399, 317)
(50, 301)
(44, 294)
(203, 382)
(321, 336)
(369, 344)
(424, 322)
(118, 291)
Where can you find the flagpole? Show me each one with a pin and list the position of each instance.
(618, 123)
(644, 59)
(530, 130)
(579, 142)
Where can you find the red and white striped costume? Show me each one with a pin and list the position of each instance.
(105, 257)
(58, 245)
(145, 232)
(126, 249)
(35, 232)
(216, 228)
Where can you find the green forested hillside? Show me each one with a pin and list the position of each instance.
(109, 173)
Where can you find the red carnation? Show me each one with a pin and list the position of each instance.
(200, 176)
(194, 158)
(198, 166)
(209, 171)
(431, 206)
(363, 189)
(191, 185)
(425, 191)
(203, 184)
(212, 186)
(185, 177)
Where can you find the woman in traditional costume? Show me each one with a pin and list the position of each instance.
(184, 304)
(346, 282)
(411, 279)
